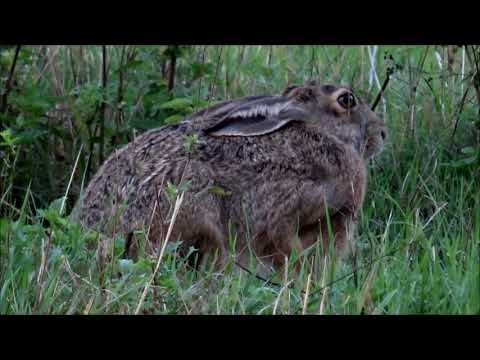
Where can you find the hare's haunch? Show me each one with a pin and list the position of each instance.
(269, 171)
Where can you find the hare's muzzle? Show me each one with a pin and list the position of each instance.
(376, 136)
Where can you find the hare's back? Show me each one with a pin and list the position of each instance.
(126, 169)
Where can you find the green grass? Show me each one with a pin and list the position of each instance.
(418, 238)
(407, 263)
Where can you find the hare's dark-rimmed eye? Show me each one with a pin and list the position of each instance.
(347, 100)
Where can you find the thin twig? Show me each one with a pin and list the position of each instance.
(212, 84)
(459, 111)
(43, 264)
(178, 203)
(70, 181)
(268, 282)
(474, 63)
(119, 113)
(382, 90)
(287, 285)
(48, 63)
(72, 66)
(103, 105)
(8, 85)
(305, 302)
(171, 68)
(322, 302)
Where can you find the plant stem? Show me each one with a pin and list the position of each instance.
(103, 106)
(119, 115)
(171, 69)
(212, 84)
(382, 90)
(8, 85)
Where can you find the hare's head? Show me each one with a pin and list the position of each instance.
(334, 110)
(338, 111)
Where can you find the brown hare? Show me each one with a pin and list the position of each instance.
(264, 170)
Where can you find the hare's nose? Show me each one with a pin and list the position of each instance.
(383, 134)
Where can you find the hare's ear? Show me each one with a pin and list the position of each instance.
(289, 89)
(246, 126)
(303, 94)
(256, 122)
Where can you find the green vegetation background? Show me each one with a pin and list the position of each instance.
(419, 236)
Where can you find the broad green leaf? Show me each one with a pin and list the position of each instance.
(173, 119)
(177, 104)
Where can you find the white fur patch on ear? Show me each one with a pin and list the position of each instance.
(257, 119)
(260, 110)
(247, 128)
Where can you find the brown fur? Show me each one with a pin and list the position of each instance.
(278, 186)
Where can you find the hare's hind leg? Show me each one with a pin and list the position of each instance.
(279, 247)
(210, 243)
(336, 232)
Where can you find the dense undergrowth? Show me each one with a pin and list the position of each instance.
(419, 234)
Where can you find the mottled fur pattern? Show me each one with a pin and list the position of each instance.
(282, 163)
